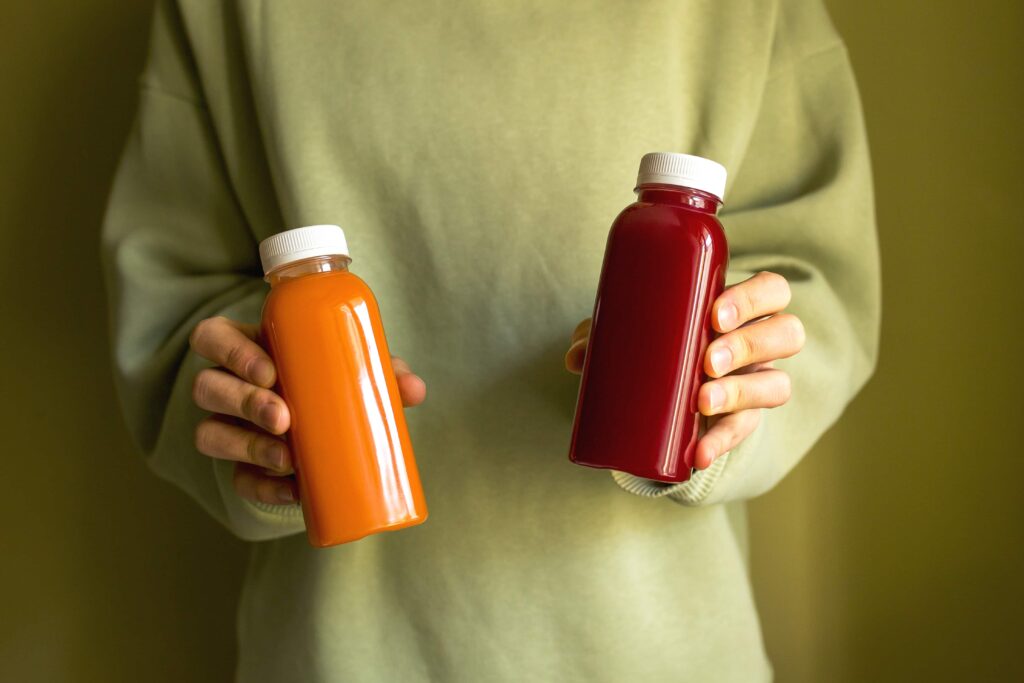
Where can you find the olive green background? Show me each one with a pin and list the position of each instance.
(893, 553)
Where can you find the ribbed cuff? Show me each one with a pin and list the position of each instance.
(254, 521)
(690, 492)
(716, 484)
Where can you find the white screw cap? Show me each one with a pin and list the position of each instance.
(302, 243)
(686, 170)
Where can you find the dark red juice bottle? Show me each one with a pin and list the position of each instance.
(664, 265)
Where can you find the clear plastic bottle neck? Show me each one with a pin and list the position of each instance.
(308, 266)
(657, 193)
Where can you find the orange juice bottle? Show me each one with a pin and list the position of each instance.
(349, 442)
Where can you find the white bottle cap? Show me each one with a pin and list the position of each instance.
(686, 170)
(302, 243)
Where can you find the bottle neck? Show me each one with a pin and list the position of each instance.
(308, 266)
(657, 193)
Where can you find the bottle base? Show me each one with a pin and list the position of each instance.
(341, 539)
(654, 475)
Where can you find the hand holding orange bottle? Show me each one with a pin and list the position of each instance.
(249, 418)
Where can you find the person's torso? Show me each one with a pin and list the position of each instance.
(475, 153)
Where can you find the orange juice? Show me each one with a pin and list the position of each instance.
(350, 445)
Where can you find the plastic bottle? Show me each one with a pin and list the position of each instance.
(353, 457)
(664, 266)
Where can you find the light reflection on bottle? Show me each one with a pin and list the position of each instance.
(682, 410)
(379, 412)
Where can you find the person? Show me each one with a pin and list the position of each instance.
(476, 152)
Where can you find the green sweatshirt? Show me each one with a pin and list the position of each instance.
(476, 152)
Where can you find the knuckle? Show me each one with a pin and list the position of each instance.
(202, 437)
(735, 394)
(785, 291)
(252, 446)
(747, 345)
(250, 403)
(202, 331)
(773, 279)
(743, 299)
(199, 333)
(778, 287)
(781, 284)
(239, 360)
(781, 287)
(253, 399)
(201, 387)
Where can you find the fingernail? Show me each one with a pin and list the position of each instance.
(727, 317)
(721, 360)
(716, 397)
(276, 455)
(285, 495)
(268, 416)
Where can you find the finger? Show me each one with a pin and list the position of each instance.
(220, 439)
(765, 389)
(779, 336)
(411, 386)
(763, 294)
(725, 434)
(220, 392)
(232, 344)
(582, 331)
(254, 484)
(575, 356)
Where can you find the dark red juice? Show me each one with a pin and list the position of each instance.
(664, 266)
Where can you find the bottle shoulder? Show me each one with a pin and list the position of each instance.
(330, 289)
(640, 216)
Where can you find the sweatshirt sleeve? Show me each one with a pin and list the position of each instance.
(177, 248)
(800, 205)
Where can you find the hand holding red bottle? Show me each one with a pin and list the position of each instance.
(754, 333)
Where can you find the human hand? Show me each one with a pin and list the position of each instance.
(249, 419)
(739, 363)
